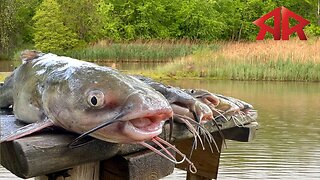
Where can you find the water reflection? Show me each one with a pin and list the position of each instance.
(8, 65)
(287, 144)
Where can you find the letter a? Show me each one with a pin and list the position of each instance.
(286, 30)
(276, 30)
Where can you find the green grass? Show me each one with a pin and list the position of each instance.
(262, 60)
(138, 52)
(3, 75)
(278, 70)
(283, 70)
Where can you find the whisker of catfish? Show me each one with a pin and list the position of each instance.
(220, 132)
(220, 114)
(192, 168)
(236, 121)
(173, 160)
(186, 120)
(165, 149)
(206, 133)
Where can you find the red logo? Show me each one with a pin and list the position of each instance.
(284, 14)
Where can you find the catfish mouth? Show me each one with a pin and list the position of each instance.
(145, 128)
(212, 100)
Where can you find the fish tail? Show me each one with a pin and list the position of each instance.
(6, 94)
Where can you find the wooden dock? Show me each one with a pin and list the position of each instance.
(7, 175)
(46, 155)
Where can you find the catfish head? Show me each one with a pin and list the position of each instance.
(125, 109)
(223, 106)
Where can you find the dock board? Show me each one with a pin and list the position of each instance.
(7, 175)
(47, 152)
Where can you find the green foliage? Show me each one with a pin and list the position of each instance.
(50, 32)
(83, 18)
(7, 26)
(167, 19)
(25, 11)
(108, 26)
(16, 24)
(200, 20)
(313, 30)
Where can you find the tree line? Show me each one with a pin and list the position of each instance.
(58, 25)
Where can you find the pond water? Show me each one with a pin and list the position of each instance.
(7, 66)
(287, 145)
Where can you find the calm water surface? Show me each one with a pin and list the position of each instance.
(287, 145)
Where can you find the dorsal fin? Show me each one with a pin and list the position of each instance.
(28, 55)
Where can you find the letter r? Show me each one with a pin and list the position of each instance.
(276, 30)
(286, 30)
(281, 14)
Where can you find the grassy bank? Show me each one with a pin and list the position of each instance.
(292, 60)
(138, 51)
(261, 60)
(3, 75)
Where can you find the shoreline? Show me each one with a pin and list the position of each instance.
(266, 60)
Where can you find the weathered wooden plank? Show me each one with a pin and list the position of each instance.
(87, 171)
(206, 161)
(7, 175)
(196, 177)
(243, 133)
(47, 152)
(141, 165)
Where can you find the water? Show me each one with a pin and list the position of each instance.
(287, 145)
(8, 66)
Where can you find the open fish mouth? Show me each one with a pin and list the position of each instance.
(141, 129)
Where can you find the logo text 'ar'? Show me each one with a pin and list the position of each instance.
(281, 29)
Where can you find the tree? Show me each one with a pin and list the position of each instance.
(50, 32)
(7, 26)
(25, 11)
(318, 12)
(107, 25)
(80, 17)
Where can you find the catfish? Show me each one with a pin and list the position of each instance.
(82, 97)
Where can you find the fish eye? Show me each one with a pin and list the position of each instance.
(192, 91)
(95, 98)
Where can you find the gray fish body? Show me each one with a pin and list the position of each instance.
(181, 102)
(79, 96)
(224, 106)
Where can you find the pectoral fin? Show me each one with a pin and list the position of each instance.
(26, 130)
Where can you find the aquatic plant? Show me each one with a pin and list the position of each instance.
(261, 60)
(137, 51)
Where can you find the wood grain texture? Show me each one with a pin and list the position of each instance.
(140, 165)
(206, 161)
(48, 151)
(87, 171)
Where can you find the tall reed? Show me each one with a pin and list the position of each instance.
(261, 60)
(136, 51)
